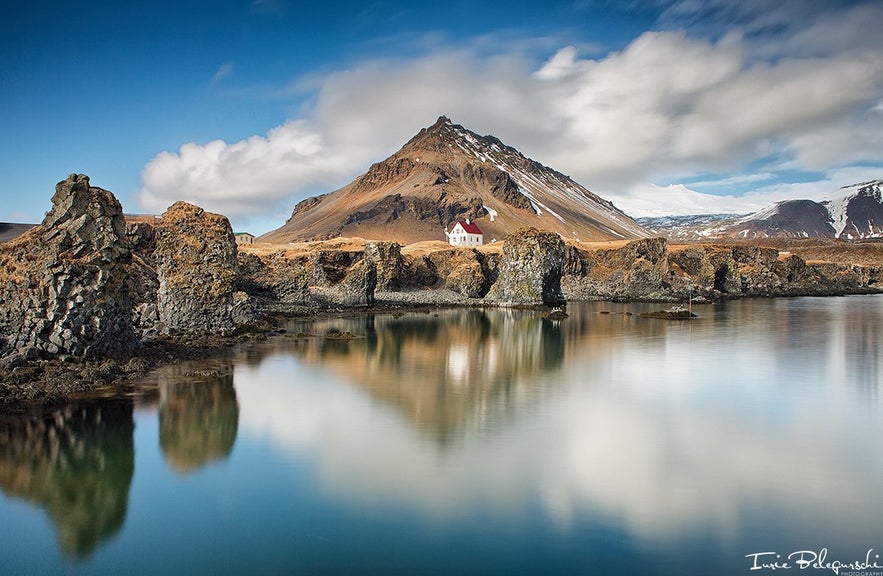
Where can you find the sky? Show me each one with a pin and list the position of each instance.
(245, 107)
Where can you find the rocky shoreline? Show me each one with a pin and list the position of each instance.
(89, 303)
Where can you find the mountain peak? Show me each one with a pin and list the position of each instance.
(437, 137)
(445, 173)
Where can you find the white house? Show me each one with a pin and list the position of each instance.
(465, 233)
(244, 238)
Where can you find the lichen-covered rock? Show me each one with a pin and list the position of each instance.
(638, 270)
(467, 278)
(530, 270)
(756, 266)
(357, 287)
(273, 278)
(63, 289)
(196, 268)
(387, 258)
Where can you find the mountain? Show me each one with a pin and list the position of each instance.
(649, 200)
(787, 219)
(853, 212)
(691, 226)
(446, 173)
(10, 231)
(857, 211)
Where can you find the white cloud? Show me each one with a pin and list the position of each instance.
(242, 178)
(225, 70)
(668, 105)
(659, 456)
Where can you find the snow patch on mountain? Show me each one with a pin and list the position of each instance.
(849, 222)
(534, 184)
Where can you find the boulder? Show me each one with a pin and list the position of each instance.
(196, 268)
(530, 270)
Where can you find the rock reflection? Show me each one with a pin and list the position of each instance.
(76, 463)
(661, 429)
(198, 419)
(464, 369)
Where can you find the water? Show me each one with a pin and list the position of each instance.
(474, 442)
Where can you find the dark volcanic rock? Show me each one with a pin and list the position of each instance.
(357, 287)
(674, 313)
(196, 268)
(530, 270)
(273, 278)
(63, 290)
(387, 258)
(638, 270)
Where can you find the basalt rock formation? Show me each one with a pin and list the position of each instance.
(637, 270)
(530, 270)
(196, 265)
(654, 271)
(63, 288)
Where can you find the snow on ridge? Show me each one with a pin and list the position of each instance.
(545, 185)
(837, 204)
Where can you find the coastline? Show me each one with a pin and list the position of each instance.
(89, 303)
(39, 384)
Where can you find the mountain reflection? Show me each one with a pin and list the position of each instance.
(198, 419)
(659, 428)
(76, 463)
(464, 369)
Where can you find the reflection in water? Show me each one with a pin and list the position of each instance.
(490, 442)
(198, 420)
(661, 428)
(75, 462)
(463, 369)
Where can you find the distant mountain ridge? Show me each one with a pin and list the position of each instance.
(853, 212)
(447, 173)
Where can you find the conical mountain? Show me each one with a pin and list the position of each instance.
(447, 173)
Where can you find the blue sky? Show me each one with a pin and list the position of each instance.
(245, 107)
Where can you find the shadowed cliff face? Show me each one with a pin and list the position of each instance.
(77, 464)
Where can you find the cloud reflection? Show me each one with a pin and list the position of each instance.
(640, 424)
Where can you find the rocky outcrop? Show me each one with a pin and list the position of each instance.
(530, 270)
(196, 269)
(357, 287)
(638, 270)
(83, 285)
(273, 278)
(387, 258)
(648, 270)
(63, 289)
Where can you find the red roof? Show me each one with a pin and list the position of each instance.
(470, 228)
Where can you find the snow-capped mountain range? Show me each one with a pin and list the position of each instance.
(852, 212)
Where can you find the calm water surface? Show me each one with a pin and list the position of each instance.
(474, 442)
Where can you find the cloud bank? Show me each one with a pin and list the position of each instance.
(756, 96)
